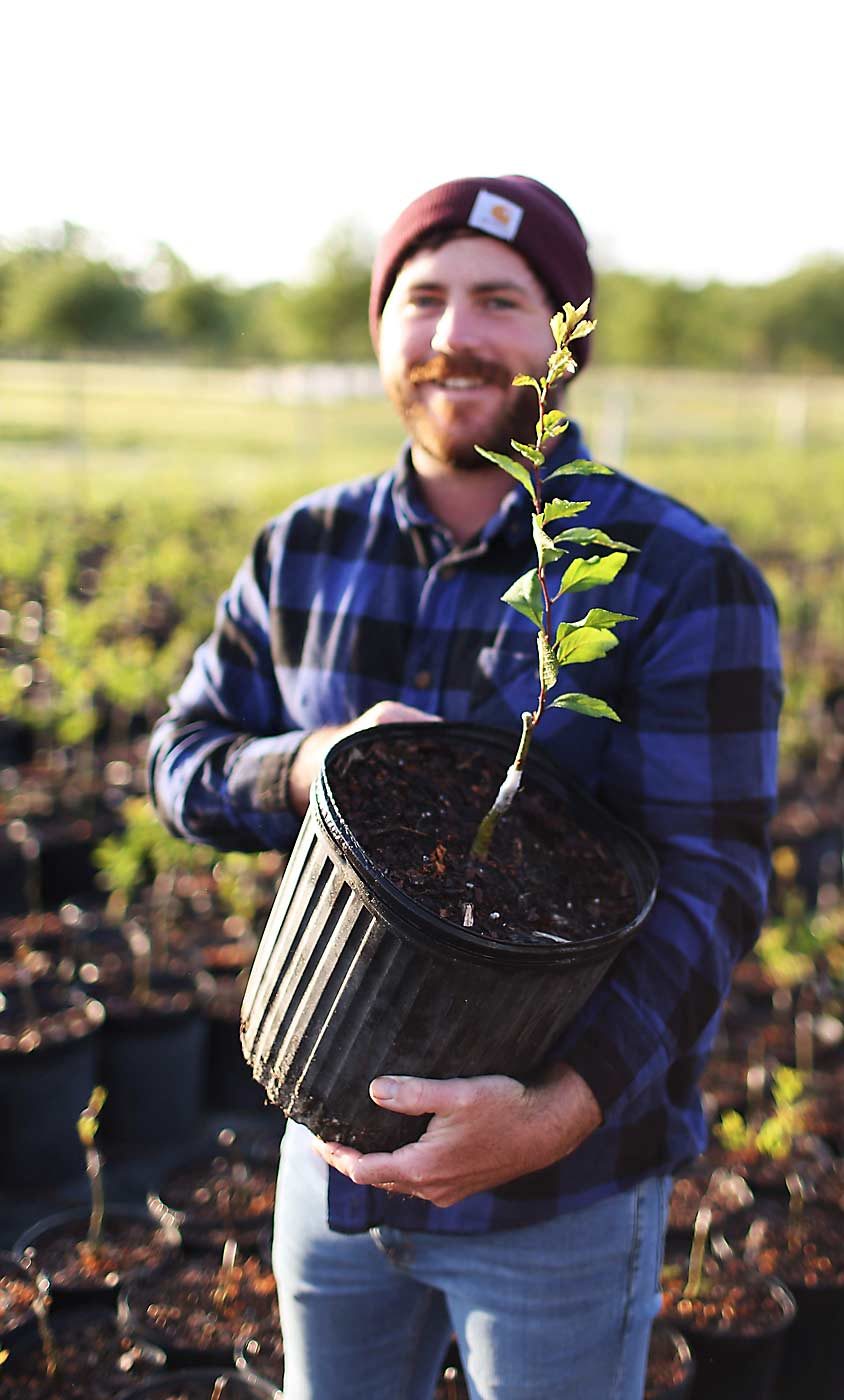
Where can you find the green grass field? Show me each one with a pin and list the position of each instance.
(760, 454)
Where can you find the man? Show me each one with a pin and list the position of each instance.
(529, 1221)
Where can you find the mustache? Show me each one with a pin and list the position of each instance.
(441, 367)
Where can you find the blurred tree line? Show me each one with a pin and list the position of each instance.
(58, 296)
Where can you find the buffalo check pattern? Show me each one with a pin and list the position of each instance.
(356, 594)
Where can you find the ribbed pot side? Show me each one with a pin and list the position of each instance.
(340, 991)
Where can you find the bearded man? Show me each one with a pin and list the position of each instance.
(528, 1221)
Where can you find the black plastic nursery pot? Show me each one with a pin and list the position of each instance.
(153, 1066)
(18, 1290)
(671, 1367)
(354, 977)
(730, 1366)
(45, 1083)
(198, 1384)
(71, 1226)
(95, 1363)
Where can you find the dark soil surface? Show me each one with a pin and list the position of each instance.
(126, 1246)
(415, 805)
(94, 1363)
(733, 1298)
(725, 1195)
(16, 1297)
(183, 1307)
(222, 1190)
(810, 1255)
(51, 1015)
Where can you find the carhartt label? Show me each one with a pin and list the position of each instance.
(493, 214)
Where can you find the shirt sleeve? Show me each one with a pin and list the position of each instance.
(220, 757)
(693, 768)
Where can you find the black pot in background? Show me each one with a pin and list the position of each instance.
(252, 1360)
(76, 1221)
(152, 1065)
(229, 1085)
(21, 1323)
(43, 1090)
(669, 1345)
(197, 1383)
(732, 1367)
(353, 978)
(202, 1230)
(26, 1351)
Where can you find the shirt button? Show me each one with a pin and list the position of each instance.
(422, 680)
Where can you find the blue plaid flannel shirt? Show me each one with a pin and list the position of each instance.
(357, 594)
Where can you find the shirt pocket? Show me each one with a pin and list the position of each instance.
(504, 684)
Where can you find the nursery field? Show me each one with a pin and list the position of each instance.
(128, 496)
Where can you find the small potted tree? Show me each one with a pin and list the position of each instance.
(428, 922)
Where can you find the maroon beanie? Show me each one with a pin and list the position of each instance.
(514, 208)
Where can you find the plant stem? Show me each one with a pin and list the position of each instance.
(40, 1306)
(796, 1201)
(703, 1220)
(94, 1170)
(510, 786)
(226, 1274)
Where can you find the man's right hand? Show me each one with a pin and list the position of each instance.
(313, 749)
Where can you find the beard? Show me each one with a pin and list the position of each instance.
(448, 441)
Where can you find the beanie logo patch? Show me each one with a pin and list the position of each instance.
(491, 213)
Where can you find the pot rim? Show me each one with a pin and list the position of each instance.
(415, 920)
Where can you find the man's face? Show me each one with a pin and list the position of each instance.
(461, 320)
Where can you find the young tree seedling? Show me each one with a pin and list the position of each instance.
(774, 1136)
(86, 1126)
(225, 1277)
(41, 1308)
(703, 1221)
(796, 1201)
(533, 595)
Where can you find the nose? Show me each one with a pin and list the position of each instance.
(457, 329)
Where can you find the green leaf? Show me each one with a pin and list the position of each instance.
(525, 379)
(584, 644)
(548, 665)
(508, 464)
(580, 535)
(545, 547)
(553, 424)
(560, 510)
(525, 595)
(587, 573)
(585, 705)
(558, 328)
(584, 328)
(532, 453)
(560, 363)
(599, 617)
(581, 468)
(574, 315)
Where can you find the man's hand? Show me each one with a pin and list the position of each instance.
(313, 749)
(484, 1132)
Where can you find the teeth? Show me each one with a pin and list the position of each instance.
(461, 383)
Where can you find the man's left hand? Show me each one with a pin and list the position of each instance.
(484, 1132)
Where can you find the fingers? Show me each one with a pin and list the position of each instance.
(391, 712)
(405, 1094)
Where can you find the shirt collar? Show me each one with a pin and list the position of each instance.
(412, 512)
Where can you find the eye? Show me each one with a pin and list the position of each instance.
(499, 302)
(423, 301)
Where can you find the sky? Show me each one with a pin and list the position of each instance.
(693, 141)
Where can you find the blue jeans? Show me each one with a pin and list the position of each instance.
(561, 1309)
